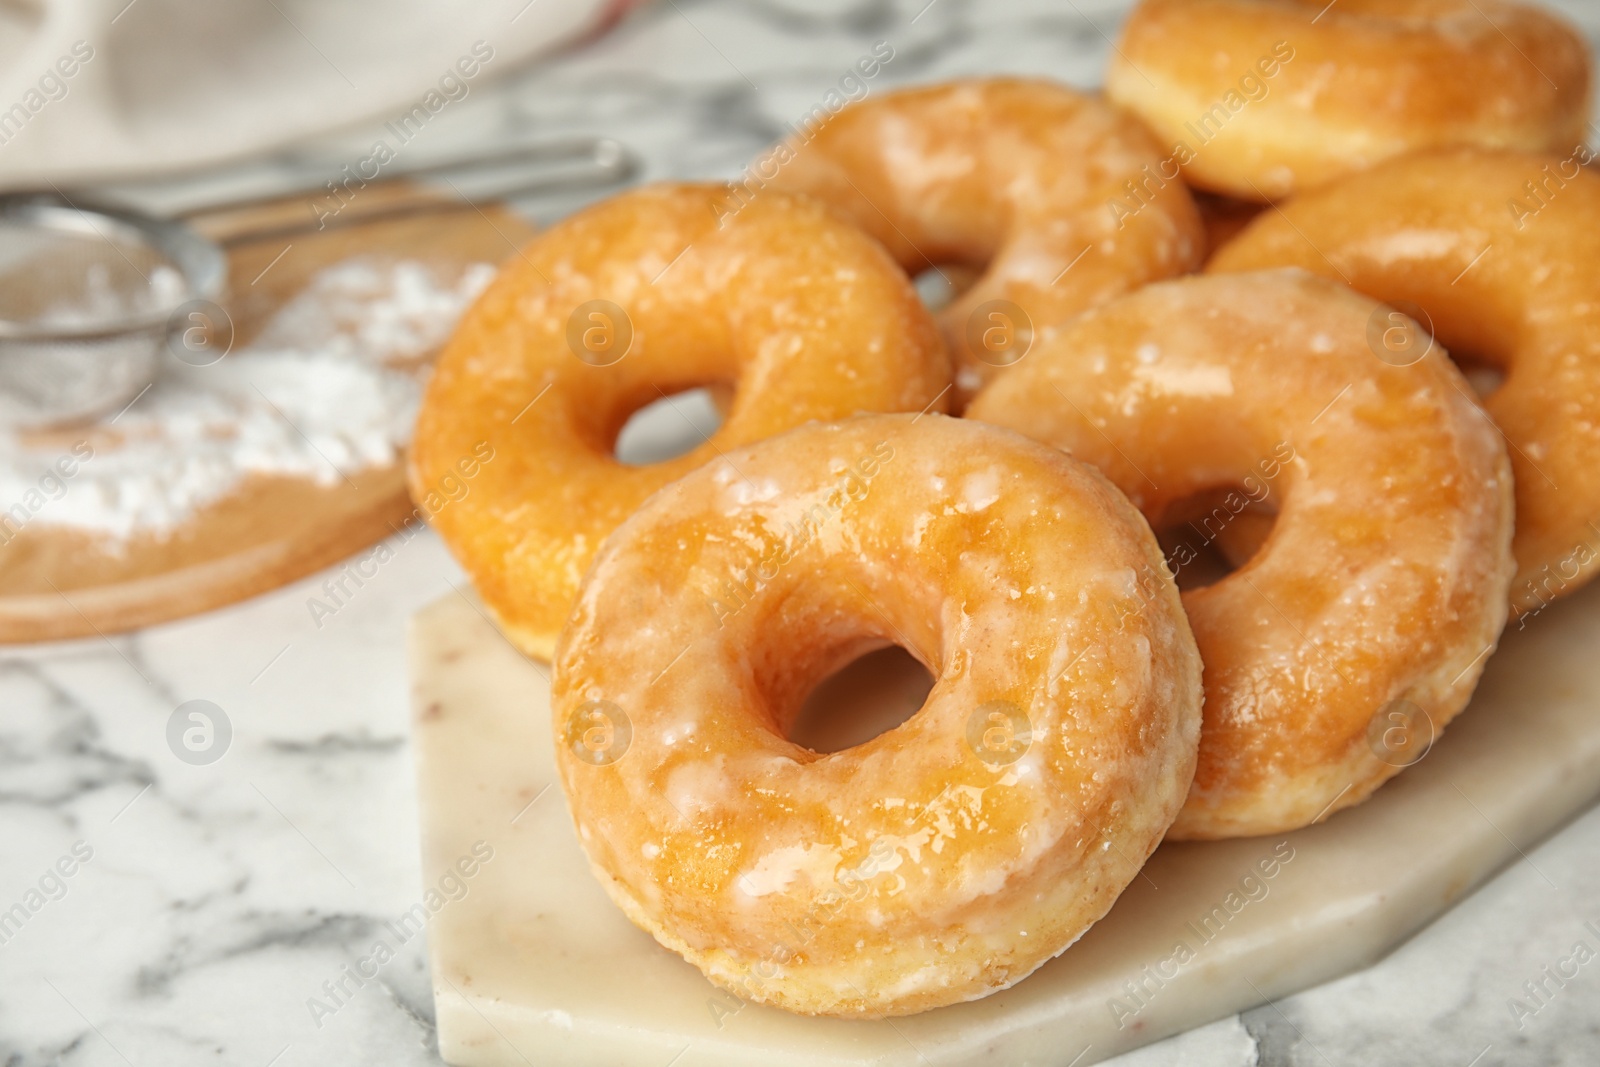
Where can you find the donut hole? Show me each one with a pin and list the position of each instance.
(1485, 374)
(672, 425)
(836, 663)
(870, 695)
(942, 284)
(1478, 338)
(1208, 535)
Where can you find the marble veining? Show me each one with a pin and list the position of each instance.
(228, 912)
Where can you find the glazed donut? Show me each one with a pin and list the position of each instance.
(1054, 197)
(949, 856)
(629, 301)
(1261, 98)
(1362, 623)
(1499, 254)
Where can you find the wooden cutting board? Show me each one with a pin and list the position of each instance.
(58, 582)
(532, 963)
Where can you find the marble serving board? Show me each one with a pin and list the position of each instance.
(532, 964)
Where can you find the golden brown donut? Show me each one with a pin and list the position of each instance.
(1020, 179)
(1499, 254)
(1362, 624)
(631, 300)
(1260, 98)
(941, 860)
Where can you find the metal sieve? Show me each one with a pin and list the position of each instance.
(91, 294)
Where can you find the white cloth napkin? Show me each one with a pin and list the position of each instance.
(94, 90)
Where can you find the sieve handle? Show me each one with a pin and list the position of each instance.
(552, 166)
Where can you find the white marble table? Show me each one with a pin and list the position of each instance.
(227, 913)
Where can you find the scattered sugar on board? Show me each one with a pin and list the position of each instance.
(322, 393)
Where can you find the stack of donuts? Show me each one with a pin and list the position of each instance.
(1181, 498)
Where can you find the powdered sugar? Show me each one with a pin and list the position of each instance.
(101, 301)
(328, 389)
